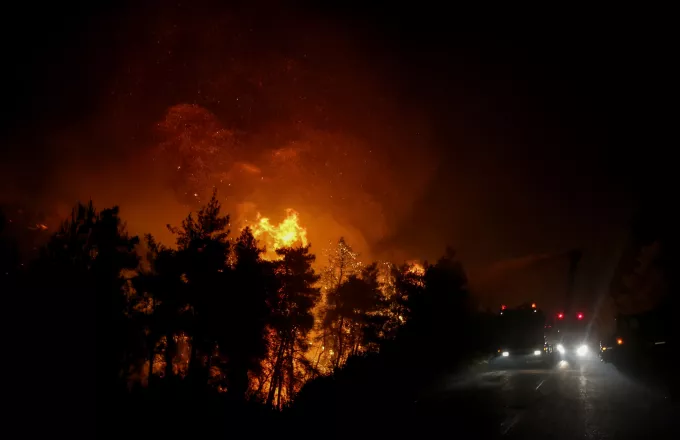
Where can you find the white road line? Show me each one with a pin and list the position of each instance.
(511, 423)
(539, 385)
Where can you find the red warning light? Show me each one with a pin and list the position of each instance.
(560, 316)
(503, 307)
(579, 316)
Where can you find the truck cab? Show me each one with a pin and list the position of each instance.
(570, 336)
(520, 336)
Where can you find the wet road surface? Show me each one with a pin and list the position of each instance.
(583, 399)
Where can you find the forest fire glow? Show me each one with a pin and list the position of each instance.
(288, 233)
(416, 268)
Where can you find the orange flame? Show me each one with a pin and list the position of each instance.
(415, 267)
(287, 233)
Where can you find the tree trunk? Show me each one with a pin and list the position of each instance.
(272, 390)
(170, 348)
(318, 358)
(291, 370)
(341, 340)
(357, 340)
(194, 367)
(278, 399)
(152, 355)
(263, 381)
(275, 374)
(151, 347)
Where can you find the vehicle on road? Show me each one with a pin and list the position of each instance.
(520, 336)
(570, 336)
(647, 335)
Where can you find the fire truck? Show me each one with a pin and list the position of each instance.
(520, 336)
(570, 331)
(570, 336)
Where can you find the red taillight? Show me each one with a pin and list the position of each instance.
(503, 307)
(579, 316)
(533, 305)
(560, 316)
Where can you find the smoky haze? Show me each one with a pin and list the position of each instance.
(399, 142)
(183, 105)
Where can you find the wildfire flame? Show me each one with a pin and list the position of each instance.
(287, 233)
(416, 268)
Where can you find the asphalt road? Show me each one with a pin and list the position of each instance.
(583, 399)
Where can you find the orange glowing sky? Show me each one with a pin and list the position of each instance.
(400, 141)
(307, 125)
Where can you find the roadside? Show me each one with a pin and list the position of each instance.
(658, 373)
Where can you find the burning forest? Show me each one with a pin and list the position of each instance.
(235, 299)
(252, 314)
(214, 210)
(316, 321)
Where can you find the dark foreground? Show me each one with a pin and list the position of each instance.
(572, 400)
(569, 400)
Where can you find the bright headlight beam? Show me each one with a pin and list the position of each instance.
(582, 350)
(560, 348)
(506, 354)
(537, 352)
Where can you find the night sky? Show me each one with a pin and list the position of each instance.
(402, 129)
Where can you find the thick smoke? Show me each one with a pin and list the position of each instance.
(402, 145)
(272, 112)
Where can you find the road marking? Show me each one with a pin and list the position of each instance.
(539, 385)
(512, 423)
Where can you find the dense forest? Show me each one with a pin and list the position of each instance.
(212, 317)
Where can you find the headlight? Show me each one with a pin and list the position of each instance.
(582, 350)
(537, 352)
(506, 354)
(560, 348)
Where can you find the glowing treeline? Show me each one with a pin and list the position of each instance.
(216, 312)
(352, 313)
(316, 322)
